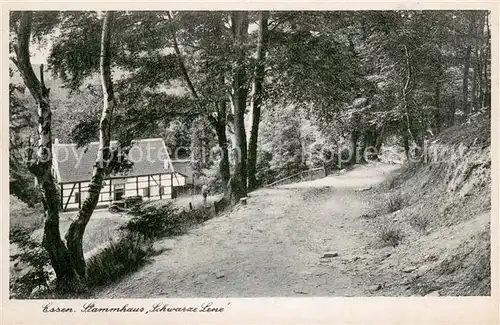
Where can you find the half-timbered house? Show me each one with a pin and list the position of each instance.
(153, 175)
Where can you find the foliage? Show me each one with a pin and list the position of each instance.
(202, 141)
(392, 72)
(391, 236)
(24, 216)
(154, 222)
(281, 145)
(177, 136)
(395, 202)
(118, 259)
(35, 273)
(22, 134)
(346, 71)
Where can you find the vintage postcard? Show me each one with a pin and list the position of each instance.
(243, 162)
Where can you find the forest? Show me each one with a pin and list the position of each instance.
(258, 96)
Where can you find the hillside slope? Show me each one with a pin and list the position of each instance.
(445, 214)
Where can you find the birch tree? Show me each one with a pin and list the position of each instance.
(66, 259)
(100, 170)
(41, 167)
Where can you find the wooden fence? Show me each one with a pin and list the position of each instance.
(305, 175)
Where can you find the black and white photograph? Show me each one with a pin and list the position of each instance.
(254, 153)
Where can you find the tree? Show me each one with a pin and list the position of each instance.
(101, 169)
(239, 93)
(67, 260)
(281, 144)
(170, 70)
(41, 167)
(371, 75)
(211, 79)
(257, 97)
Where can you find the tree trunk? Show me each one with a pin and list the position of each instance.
(474, 63)
(220, 129)
(437, 114)
(406, 146)
(370, 146)
(407, 134)
(465, 79)
(76, 230)
(257, 98)
(67, 278)
(380, 139)
(486, 101)
(354, 147)
(219, 122)
(239, 25)
(481, 59)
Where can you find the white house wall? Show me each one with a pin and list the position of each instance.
(179, 180)
(133, 186)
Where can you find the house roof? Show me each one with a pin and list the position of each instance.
(182, 166)
(74, 164)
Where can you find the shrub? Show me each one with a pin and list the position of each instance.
(199, 215)
(23, 216)
(395, 202)
(118, 259)
(154, 222)
(391, 236)
(151, 221)
(34, 276)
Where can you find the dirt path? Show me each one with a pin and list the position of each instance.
(273, 246)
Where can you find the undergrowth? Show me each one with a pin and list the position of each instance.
(155, 222)
(391, 236)
(132, 251)
(118, 259)
(395, 202)
(34, 277)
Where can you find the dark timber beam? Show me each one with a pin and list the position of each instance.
(171, 185)
(159, 184)
(69, 197)
(79, 195)
(62, 196)
(149, 187)
(110, 191)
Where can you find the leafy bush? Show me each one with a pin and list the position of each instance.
(391, 236)
(23, 216)
(132, 251)
(199, 215)
(167, 220)
(151, 221)
(118, 259)
(33, 275)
